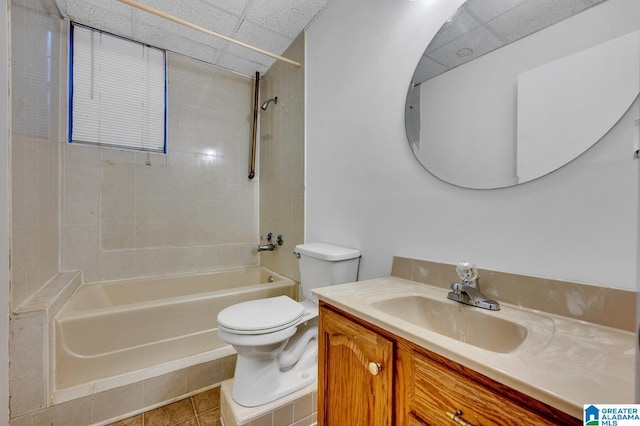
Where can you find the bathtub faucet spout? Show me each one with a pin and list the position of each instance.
(266, 247)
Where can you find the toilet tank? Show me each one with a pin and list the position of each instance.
(324, 264)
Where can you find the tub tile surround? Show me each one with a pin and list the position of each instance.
(569, 299)
(296, 409)
(281, 172)
(37, 36)
(129, 214)
(31, 328)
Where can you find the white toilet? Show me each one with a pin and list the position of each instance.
(277, 338)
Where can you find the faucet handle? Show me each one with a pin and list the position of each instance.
(467, 271)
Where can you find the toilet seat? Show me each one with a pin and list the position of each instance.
(261, 316)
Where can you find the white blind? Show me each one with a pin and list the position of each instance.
(118, 92)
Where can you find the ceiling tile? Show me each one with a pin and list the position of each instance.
(459, 24)
(114, 20)
(487, 10)
(193, 11)
(166, 40)
(241, 65)
(265, 39)
(480, 41)
(286, 17)
(268, 24)
(426, 69)
(533, 15)
(235, 7)
(173, 28)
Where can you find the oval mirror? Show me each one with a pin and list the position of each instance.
(508, 91)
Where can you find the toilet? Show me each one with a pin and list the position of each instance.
(277, 338)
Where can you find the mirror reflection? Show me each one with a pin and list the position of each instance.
(510, 90)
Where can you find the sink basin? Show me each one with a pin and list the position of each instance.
(464, 323)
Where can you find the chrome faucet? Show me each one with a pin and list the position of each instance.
(468, 292)
(270, 246)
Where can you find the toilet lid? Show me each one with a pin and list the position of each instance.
(261, 316)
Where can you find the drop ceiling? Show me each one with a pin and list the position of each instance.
(271, 25)
(481, 26)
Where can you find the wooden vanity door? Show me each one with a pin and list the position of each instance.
(355, 374)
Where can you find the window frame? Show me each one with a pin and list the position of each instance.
(70, 139)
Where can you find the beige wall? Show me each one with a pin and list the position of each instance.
(190, 210)
(282, 161)
(36, 58)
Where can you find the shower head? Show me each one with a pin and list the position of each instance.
(266, 103)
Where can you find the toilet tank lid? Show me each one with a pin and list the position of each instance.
(325, 251)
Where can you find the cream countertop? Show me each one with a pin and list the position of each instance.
(563, 362)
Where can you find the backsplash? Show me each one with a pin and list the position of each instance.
(570, 299)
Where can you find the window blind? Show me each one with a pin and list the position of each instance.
(118, 92)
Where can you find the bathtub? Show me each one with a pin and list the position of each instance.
(112, 329)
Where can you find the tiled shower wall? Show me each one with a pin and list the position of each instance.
(130, 214)
(282, 160)
(36, 58)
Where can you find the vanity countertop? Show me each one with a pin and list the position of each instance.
(577, 363)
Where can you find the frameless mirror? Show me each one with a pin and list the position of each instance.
(510, 90)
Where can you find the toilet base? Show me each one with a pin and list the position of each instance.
(260, 381)
(289, 410)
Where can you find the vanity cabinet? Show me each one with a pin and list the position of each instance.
(355, 371)
(368, 376)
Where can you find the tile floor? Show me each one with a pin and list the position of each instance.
(202, 409)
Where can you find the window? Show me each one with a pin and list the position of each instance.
(117, 92)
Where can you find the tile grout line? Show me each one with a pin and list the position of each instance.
(195, 412)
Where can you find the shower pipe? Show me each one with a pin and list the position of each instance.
(206, 31)
(252, 157)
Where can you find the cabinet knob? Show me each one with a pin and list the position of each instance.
(457, 417)
(374, 368)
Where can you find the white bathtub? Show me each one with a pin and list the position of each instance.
(111, 329)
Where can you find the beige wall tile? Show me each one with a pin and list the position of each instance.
(282, 162)
(194, 202)
(116, 265)
(302, 407)
(34, 152)
(27, 394)
(115, 402)
(206, 374)
(27, 352)
(283, 415)
(73, 413)
(163, 388)
(264, 420)
(149, 263)
(118, 236)
(88, 263)
(82, 210)
(118, 209)
(81, 238)
(21, 421)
